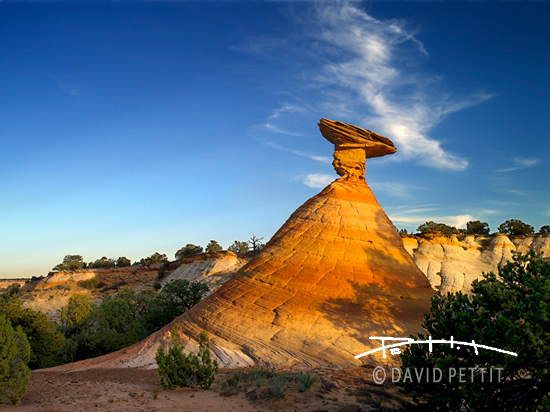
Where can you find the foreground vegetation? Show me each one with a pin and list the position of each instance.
(14, 356)
(125, 318)
(28, 339)
(267, 383)
(510, 311)
(177, 369)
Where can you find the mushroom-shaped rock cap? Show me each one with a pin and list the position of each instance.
(347, 136)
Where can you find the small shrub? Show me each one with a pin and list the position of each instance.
(213, 247)
(269, 384)
(307, 380)
(179, 369)
(477, 228)
(161, 273)
(239, 248)
(277, 387)
(91, 283)
(188, 251)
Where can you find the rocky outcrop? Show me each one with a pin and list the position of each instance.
(50, 294)
(333, 275)
(212, 269)
(451, 265)
(66, 278)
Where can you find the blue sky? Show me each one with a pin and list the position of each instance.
(134, 127)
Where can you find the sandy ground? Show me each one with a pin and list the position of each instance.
(140, 390)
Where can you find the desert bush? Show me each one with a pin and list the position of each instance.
(516, 227)
(91, 284)
(12, 291)
(122, 319)
(188, 251)
(442, 228)
(184, 294)
(94, 330)
(123, 261)
(179, 369)
(103, 263)
(307, 380)
(175, 298)
(73, 315)
(154, 259)
(238, 247)
(510, 312)
(213, 247)
(43, 335)
(14, 356)
(269, 384)
(477, 228)
(110, 326)
(276, 388)
(71, 262)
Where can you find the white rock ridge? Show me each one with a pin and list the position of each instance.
(451, 265)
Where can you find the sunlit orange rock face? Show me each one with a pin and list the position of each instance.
(334, 274)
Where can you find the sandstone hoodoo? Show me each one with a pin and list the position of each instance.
(334, 274)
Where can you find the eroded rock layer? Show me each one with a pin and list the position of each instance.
(452, 264)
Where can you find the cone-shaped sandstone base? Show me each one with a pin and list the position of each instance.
(334, 274)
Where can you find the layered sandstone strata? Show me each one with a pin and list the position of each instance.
(452, 264)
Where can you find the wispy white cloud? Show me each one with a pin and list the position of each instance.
(488, 212)
(458, 221)
(422, 210)
(276, 114)
(367, 56)
(322, 159)
(503, 203)
(317, 181)
(418, 214)
(516, 192)
(287, 108)
(67, 89)
(394, 189)
(519, 163)
(275, 129)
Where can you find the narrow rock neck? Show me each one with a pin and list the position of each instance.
(350, 163)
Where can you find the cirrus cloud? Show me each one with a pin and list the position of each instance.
(368, 57)
(317, 180)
